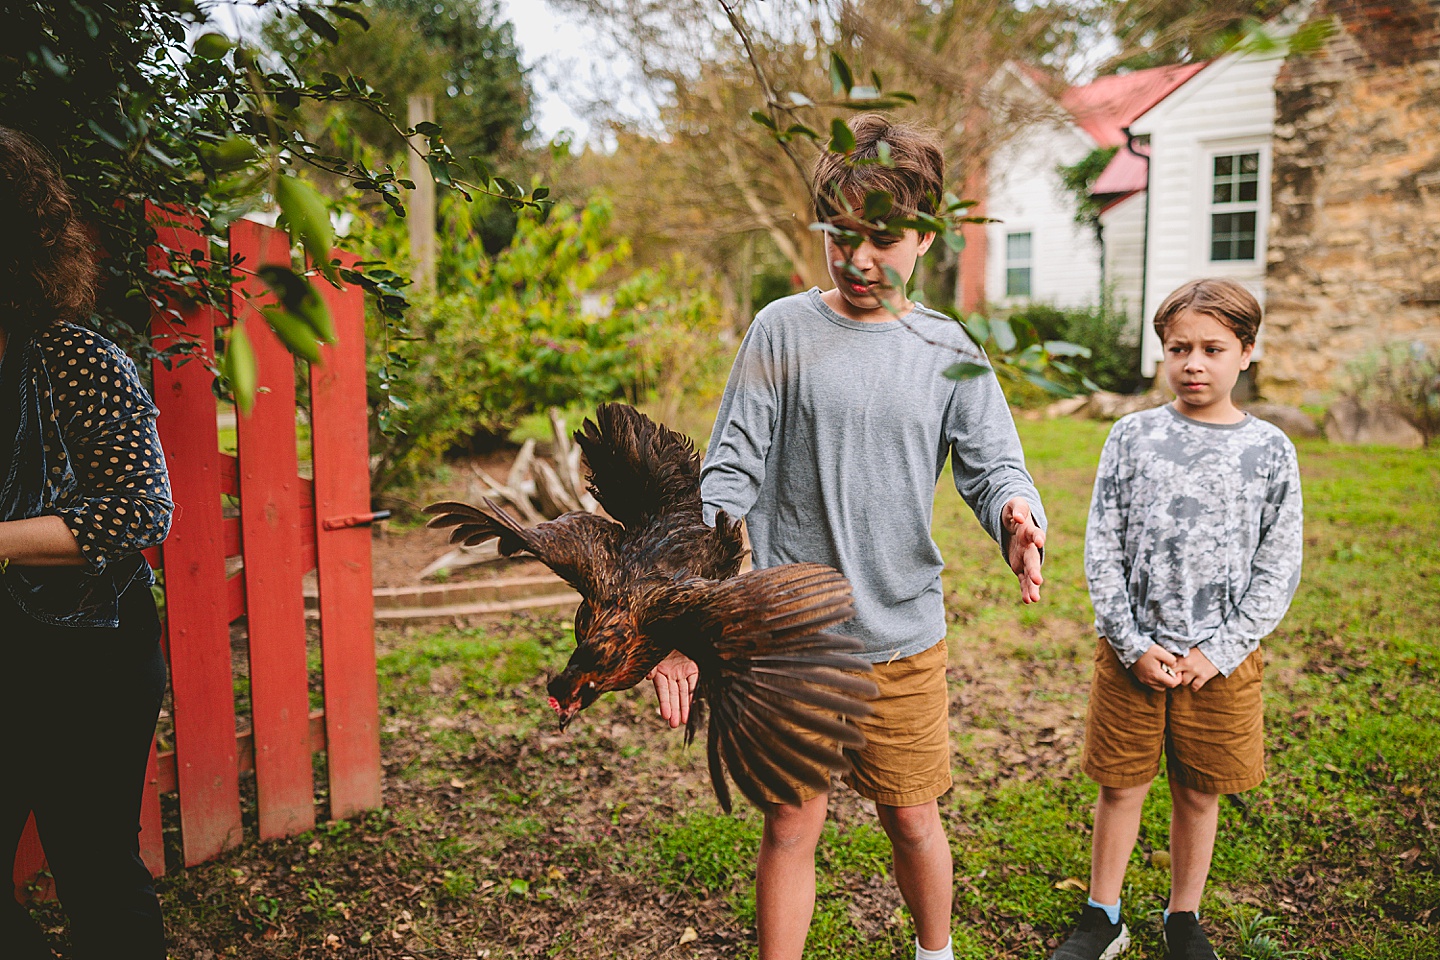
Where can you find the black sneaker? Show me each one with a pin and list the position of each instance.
(1185, 939)
(1095, 938)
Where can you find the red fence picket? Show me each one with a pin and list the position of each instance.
(287, 525)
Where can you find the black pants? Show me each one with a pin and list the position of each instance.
(77, 713)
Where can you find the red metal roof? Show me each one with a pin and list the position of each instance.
(1103, 107)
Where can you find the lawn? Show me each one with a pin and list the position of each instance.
(503, 838)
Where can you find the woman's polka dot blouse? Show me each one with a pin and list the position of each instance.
(106, 474)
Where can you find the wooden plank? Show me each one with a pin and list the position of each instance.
(274, 566)
(340, 448)
(235, 535)
(198, 628)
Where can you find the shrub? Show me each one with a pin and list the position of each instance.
(533, 330)
(1114, 361)
(1404, 375)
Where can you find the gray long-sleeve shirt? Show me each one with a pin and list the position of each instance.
(1195, 535)
(830, 439)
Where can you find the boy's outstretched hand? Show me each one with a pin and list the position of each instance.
(1026, 542)
(674, 679)
(1158, 668)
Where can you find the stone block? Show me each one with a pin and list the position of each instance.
(1348, 422)
(1294, 421)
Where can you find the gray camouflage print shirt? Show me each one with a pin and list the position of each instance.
(1195, 535)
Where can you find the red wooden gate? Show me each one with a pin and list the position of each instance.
(287, 526)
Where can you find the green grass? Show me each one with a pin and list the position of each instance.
(502, 835)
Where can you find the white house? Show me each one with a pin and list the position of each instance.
(1186, 195)
(1037, 251)
(1209, 181)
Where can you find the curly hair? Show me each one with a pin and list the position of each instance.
(48, 269)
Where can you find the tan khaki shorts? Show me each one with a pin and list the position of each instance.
(1213, 738)
(906, 757)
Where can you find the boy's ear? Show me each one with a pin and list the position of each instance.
(1245, 356)
(925, 240)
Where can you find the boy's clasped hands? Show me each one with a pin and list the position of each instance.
(1160, 669)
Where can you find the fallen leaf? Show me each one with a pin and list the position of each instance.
(1071, 883)
(556, 874)
(689, 936)
(457, 783)
(1160, 859)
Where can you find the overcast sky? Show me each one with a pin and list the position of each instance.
(567, 57)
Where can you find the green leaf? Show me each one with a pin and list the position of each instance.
(877, 204)
(238, 367)
(955, 240)
(1004, 335)
(763, 118)
(298, 297)
(298, 337)
(229, 154)
(427, 128)
(319, 24)
(842, 139)
(882, 154)
(966, 370)
(1050, 386)
(439, 169)
(540, 193)
(1062, 348)
(348, 14)
(841, 79)
(978, 328)
(211, 46)
(308, 220)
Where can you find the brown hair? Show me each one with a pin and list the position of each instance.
(47, 262)
(1225, 300)
(914, 178)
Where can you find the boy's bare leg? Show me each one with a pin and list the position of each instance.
(785, 877)
(923, 871)
(1117, 826)
(1193, 819)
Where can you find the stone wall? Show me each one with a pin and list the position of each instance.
(1354, 248)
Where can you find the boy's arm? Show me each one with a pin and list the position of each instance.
(1105, 563)
(1274, 572)
(734, 467)
(987, 461)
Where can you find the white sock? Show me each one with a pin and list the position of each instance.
(946, 952)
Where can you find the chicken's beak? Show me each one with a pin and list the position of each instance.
(566, 712)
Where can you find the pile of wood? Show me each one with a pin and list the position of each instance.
(535, 490)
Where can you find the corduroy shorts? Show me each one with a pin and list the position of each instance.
(1213, 738)
(906, 758)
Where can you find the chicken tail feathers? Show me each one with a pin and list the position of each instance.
(637, 468)
(474, 526)
(782, 691)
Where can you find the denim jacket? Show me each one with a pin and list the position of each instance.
(86, 450)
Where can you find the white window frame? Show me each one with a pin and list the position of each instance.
(1027, 264)
(1205, 206)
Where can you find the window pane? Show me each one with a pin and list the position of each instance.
(1245, 249)
(1017, 246)
(1232, 236)
(1017, 282)
(1248, 191)
(1250, 163)
(1219, 249)
(1222, 193)
(1224, 166)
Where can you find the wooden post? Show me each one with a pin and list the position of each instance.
(420, 211)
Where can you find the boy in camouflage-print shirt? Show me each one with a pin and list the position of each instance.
(1192, 553)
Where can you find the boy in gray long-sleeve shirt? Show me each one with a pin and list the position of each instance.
(1192, 553)
(834, 429)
